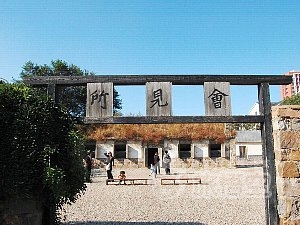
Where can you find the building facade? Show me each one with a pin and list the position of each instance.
(254, 111)
(183, 153)
(248, 146)
(293, 88)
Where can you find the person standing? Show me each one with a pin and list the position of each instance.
(156, 162)
(153, 171)
(88, 167)
(109, 165)
(167, 161)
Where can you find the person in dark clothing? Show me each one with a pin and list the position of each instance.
(156, 163)
(109, 164)
(88, 167)
(167, 161)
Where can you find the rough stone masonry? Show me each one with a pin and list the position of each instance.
(286, 132)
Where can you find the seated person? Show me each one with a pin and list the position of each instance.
(122, 177)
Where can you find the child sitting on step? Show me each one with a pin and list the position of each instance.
(122, 177)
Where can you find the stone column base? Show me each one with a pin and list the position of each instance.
(284, 221)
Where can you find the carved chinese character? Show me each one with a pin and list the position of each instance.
(216, 97)
(100, 97)
(157, 96)
(99, 100)
(159, 101)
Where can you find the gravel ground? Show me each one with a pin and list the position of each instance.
(226, 196)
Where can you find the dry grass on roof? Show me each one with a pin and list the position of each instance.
(158, 132)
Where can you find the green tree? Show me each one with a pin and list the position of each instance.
(73, 98)
(293, 100)
(40, 151)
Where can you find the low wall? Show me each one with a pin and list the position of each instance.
(252, 160)
(286, 132)
(175, 163)
(21, 212)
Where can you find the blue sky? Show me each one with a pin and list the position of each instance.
(156, 37)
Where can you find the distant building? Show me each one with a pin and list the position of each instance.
(293, 88)
(254, 111)
(184, 153)
(189, 145)
(248, 145)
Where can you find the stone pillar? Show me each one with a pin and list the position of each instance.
(160, 154)
(223, 150)
(127, 151)
(193, 151)
(286, 132)
(144, 155)
(232, 153)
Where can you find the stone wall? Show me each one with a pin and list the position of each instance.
(252, 160)
(286, 132)
(21, 212)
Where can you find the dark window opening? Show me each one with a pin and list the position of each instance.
(120, 150)
(214, 150)
(243, 151)
(91, 146)
(184, 151)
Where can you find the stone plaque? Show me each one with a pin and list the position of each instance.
(217, 99)
(159, 99)
(99, 100)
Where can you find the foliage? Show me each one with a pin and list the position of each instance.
(243, 126)
(117, 104)
(157, 132)
(40, 149)
(73, 98)
(293, 100)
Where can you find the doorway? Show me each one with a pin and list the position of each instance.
(150, 157)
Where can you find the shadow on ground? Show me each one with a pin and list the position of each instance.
(181, 173)
(249, 166)
(131, 223)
